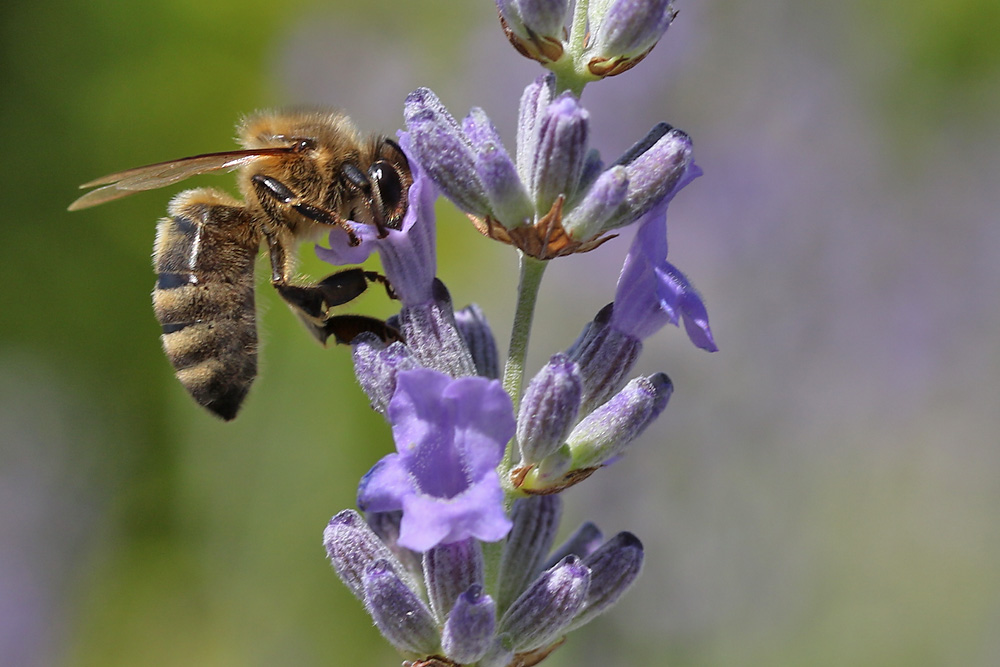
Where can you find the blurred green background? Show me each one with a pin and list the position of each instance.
(823, 491)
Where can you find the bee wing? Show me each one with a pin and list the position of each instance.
(152, 176)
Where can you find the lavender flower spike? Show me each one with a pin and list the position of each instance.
(450, 436)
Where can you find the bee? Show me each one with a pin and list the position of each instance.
(300, 173)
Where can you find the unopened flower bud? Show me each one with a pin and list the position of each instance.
(548, 409)
(535, 520)
(376, 366)
(614, 567)
(468, 632)
(605, 432)
(657, 166)
(475, 331)
(562, 147)
(626, 32)
(450, 570)
(400, 615)
(352, 547)
(540, 615)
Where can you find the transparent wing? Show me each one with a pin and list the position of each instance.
(152, 176)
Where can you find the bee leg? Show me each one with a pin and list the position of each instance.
(312, 303)
(344, 328)
(272, 187)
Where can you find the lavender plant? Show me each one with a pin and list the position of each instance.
(453, 552)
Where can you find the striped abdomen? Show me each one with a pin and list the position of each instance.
(204, 297)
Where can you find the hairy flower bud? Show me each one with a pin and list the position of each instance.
(535, 520)
(400, 615)
(605, 432)
(548, 606)
(468, 632)
(548, 409)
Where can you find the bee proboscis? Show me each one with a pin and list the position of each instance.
(300, 173)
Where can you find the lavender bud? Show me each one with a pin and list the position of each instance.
(630, 28)
(376, 366)
(605, 356)
(444, 151)
(598, 205)
(468, 632)
(540, 615)
(562, 147)
(583, 542)
(534, 101)
(352, 547)
(528, 18)
(433, 338)
(507, 195)
(657, 167)
(450, 570)
(400, 615)
(536, 520)
(548, 409)
(475, 331)
(534, 27)
(605, 432)
(614, 567)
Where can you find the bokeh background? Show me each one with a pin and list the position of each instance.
(825, 490)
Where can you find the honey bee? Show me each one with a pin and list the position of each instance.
(300, 173)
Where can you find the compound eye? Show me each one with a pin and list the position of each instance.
(386, 180)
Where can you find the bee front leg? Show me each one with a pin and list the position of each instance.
(267, 186)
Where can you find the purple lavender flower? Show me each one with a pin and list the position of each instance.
(450, 436)
(652, 292)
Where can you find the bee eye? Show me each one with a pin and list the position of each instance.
(386, 179)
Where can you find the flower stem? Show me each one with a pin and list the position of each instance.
(517, 352)
(527, 294)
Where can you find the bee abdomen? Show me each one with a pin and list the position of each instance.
(204, 297)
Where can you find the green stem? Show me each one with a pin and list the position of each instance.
(513, 373)
(513, 381)
(527, 294)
